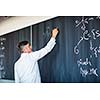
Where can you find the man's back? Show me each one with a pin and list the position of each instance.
(27, 70)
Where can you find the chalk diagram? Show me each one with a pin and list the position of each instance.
(85, 65)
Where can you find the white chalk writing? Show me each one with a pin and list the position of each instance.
(2, 56)
(85, 66)
(85, 72)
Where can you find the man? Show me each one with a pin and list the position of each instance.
(26, 68)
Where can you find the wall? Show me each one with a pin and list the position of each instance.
(18, 22)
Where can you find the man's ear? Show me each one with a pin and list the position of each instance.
(23, 50)
(30, 46)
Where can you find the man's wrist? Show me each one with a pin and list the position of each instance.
(53, 37)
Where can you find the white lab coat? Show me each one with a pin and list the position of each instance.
(26, 69)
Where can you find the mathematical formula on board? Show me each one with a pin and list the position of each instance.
(85, 65)
(2, 57)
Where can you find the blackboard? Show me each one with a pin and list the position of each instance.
(11, 53)
(75, 57)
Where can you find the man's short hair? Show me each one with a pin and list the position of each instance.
(21, 45)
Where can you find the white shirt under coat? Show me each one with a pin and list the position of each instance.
(26, 69)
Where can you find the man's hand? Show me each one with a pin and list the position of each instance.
(54, 32)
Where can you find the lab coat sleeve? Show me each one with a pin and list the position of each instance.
(16, 75)
(44, 51)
